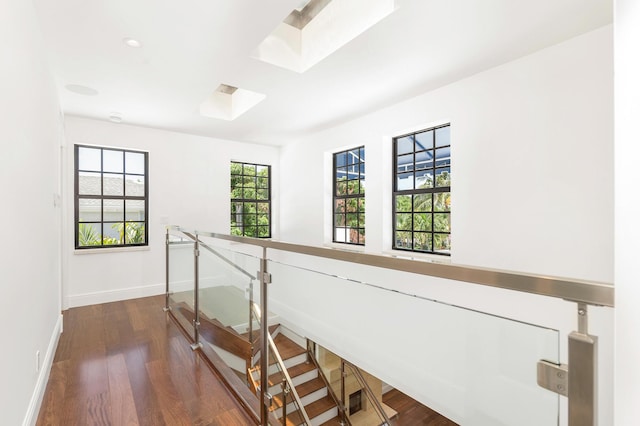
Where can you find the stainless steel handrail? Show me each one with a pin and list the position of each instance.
(211, 250)
(342, 409)
(360, 378)
(580, 291)
(284, 370)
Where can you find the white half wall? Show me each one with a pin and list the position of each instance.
(627, 235)
(31, 133)
(188, 186)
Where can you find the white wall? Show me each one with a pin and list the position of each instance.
(627, 235)
(546, 122)
(30, 134)
(532, 159)
(188, 186)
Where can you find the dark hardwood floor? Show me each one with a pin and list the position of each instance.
(411, 412)
(126, 363)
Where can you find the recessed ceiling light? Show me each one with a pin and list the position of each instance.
(116, 117)
(131, 42)
(81, 90)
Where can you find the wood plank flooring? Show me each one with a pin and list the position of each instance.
(411, 412)
(126, 363)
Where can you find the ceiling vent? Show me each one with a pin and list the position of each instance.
(229, 102)
(318, 28)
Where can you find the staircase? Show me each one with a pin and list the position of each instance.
(312, 390)
(320, 407)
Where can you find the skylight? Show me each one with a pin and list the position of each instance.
(229, 102)
(318, 28)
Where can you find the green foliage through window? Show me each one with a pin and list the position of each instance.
(250, 200)
(111, 197)
(422, 191)
(348, 196)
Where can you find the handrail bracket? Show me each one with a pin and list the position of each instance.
(578, 379)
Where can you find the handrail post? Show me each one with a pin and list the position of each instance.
(583, 373)
(251, 313)
(342, 392)
(196, 294)
(166, 271)
(578, 380)
(285, 391)
(264, 343)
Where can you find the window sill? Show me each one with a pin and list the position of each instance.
(345, 247)
(111, 250)
(423, 257)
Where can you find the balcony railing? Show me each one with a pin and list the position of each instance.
(475, 367)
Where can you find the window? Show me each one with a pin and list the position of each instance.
(422, 191)
(250, 200)
(348, 196)
(111, 197)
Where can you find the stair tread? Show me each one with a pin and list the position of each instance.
(303, 390)
(294, 372)
(313, 410)
(256, 331)
(320, 406)
(293, 419)
(287, 347)
(336, 421)
(310, 386)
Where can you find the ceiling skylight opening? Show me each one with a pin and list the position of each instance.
(317, 28)
(229, 102)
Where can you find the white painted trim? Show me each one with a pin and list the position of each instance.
(107, 296)
(43, 378)
(386, 388)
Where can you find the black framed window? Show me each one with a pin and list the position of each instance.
(348, 196)
(111, 197)
(422, 191)
(250, 200)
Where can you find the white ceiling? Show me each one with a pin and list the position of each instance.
(190, 47)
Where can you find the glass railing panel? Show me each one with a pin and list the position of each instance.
(472, 367)
(227, 282)
(181, 280)
(286, 404)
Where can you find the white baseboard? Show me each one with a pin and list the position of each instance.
(386, 388)
(43, 378)
(107, 296)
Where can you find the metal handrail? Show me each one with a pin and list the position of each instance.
(284, 370)
(360, 378)
(580, 291)
(341, 404)
(211, 250)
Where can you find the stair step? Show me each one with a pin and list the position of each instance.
(287, 347)
(336, 421)
(256, 331)
(306, 388)
(295, 371)
(309, 387)
(294, 419)
(320, 406)
(313, 410)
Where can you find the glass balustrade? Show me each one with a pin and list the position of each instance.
(180, 280)
(475, 368)
(472, 367)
